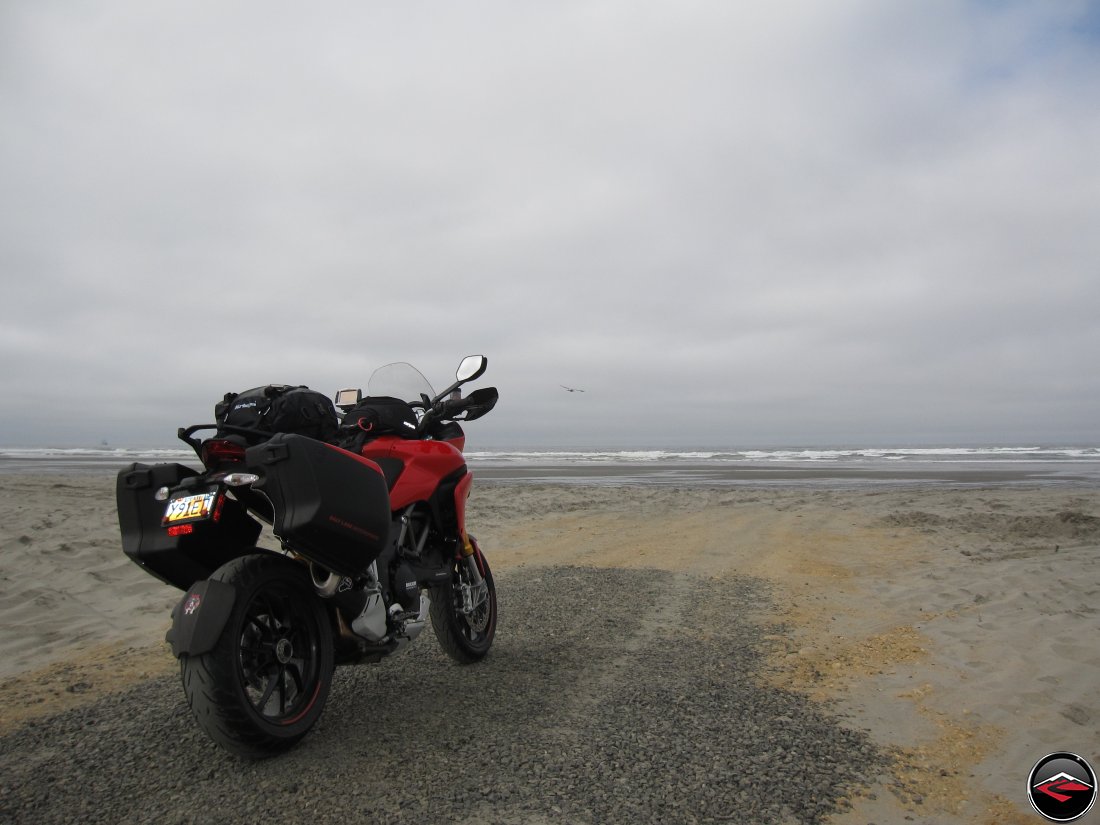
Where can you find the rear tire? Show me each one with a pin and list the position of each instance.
(465, 637)
(265, 682)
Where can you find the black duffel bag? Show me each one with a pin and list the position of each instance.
(278, 408)
(374, 416)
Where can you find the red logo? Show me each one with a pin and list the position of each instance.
(192, 604)
(1062, 787)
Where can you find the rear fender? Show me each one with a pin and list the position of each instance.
(199, 618)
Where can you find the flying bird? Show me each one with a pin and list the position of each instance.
(569, 389)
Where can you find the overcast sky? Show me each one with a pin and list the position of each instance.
(733, 224)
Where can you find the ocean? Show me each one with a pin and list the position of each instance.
(1076, 465)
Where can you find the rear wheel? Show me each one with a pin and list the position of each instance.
(264, 684)
(464, 616)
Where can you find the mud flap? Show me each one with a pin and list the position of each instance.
(199, 617)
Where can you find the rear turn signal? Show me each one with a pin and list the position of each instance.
(240, 479)
(216, 451)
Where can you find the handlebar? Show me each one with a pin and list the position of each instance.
(475, 405)
(439, 410)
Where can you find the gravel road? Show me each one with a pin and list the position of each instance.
(609, 696)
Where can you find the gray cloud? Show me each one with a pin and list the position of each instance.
(810, 222)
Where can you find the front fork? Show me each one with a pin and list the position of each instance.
(473, 589)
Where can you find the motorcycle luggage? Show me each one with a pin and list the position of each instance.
(331, 506)
(305, 412)
(374, 416)
(248, 409)
(183, 559)
(278, 408)
(381, 415)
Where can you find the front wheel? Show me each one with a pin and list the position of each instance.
(464, 616)
(265, 682)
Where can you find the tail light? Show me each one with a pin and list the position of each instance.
(218, 451)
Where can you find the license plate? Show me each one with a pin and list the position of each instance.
(194, 507)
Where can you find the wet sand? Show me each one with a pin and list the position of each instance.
(684, 473)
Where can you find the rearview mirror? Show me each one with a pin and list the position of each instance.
(472, 366)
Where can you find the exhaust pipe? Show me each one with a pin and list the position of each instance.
(325, 582)
(365, 603)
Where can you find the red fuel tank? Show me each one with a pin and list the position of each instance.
(425, 464)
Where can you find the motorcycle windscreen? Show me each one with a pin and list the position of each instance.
(331, 506)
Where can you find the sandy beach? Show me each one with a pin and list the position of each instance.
(956, 625)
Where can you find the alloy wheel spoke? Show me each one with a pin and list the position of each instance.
(269, 608)
(272, 683)
(257, 648)
(262, 629)
(296, 669)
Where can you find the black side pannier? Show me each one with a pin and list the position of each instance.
(330, 506)
(278, 408)
(374, 416)
(178, 560)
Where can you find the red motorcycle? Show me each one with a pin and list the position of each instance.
(368, 507)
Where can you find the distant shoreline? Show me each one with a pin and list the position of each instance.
(608, 471)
